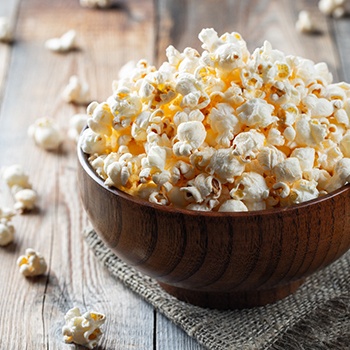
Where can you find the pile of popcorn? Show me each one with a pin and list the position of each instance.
(224, 130)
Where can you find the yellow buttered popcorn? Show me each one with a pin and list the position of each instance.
(32, 263)
(223, 130)
(83, 329)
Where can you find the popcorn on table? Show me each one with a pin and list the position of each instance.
(7, 232)
(96, 3)
(223, 130)
(335, 8)
(76, 125)
(76, 91)
(304, 24)
(32, 263)
(46, 133)
(6, 34)
(83, 329)
(64, 43)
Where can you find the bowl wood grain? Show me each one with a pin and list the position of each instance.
(219, 260)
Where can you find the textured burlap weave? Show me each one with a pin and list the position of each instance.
(316, 317)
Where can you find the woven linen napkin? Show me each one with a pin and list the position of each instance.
(317, 316)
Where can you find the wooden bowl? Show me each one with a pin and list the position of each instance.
(219, 260)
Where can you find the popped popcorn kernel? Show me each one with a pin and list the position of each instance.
(76, 125)
(223, 129)
(96, 3)
(25, 199)
(335, 8)
(7, 231)
(46, 133)
(83, 329)
(6, 34)
(76, 91)
(32, 263)
(64, 43)
(304, 24)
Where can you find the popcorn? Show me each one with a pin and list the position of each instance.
(32, 263)
(25, 199)
(76, 125)
(46, 134)
(6, 34)
(15, 176)
(256, 113)
(76, 91)
(304, 24)
(222, 130)
(7, 213)
(232, 205)
(191, 136)
(7, 232)
(335, 8)
(63, 44)
(83, 329)
(96, 3)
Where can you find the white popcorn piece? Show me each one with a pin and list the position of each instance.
(96, 3)
(191, 135)
(76, 125)
(25, 199)
(306, 157)
(247, 144)
(335, 8)
(345, 145)
(224, 123)
(303, 190)
(32, 263)
(7, 232)
(46, 134)
(275, 138)
(7, 213)
(64, 43)
(101, 120)
(93, 143)
(76, 91)
(341, 175)
(232, 205)
(288, 170)
(225, 165)
(15, 175)
(250, 187)
(282, 189)
(269, 157)
(6, 34)
(83, 329)
(305, 24)
(256, 113)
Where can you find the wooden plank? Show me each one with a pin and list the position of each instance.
(35, 309)
(170, 337)
(8, 9)
(181, 21)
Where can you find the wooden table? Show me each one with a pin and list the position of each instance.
(31, 81)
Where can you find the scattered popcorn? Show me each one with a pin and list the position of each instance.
(6, 34)
(335, 8)
(25, 199)
(96, 3)
(304, 23)
(76, 91)
(7, 213)
(46, 134)
(32, 263)
(83, 329)
(224, 130)
(63, 44)
(15, 176)
(76, 125)
(7, 232)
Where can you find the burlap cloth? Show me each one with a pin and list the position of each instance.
(317, 316)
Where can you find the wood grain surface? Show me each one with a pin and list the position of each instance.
(31, 82)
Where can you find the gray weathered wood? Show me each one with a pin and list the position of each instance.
(31, 81)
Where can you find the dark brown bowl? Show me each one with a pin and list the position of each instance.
(219, 260)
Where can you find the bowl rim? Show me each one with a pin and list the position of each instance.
(83, 160)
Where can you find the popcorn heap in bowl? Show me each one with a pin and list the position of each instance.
(224, 130)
